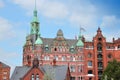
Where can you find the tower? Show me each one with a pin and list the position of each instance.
(34, 41)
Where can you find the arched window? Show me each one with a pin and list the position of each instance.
(32, 77)
(89, 55)
(99, 47)
(109, 56)
(37, 77)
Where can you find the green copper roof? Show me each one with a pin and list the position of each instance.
(35, 18)
(39, 40)
(80, 43)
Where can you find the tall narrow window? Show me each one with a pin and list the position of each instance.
(56, 57)
(63, 58)
(37, 77)
(32, 77)
(72, 68)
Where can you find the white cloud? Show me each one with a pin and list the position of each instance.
(50, 9)
(82, 13)
(5, 29)
(1, 4)
(110, 21)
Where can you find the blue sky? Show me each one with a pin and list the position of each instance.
(68, 15)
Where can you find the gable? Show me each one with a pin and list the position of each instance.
(33, 72)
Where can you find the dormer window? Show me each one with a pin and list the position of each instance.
(72, 49)
(46, 48)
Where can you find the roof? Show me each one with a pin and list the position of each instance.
(58, 72)
(19, 72)
(80, 43)
(39, 41)
(4, 65)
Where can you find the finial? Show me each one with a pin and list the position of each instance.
(35, 10)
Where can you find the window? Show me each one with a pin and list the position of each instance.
(90, 78)
(5, 72)
(72, 68)
(89, 63)
(99, 47)
(99, 55)
(55, 49)
(63, 58)
(100, 39)
(37, 77)
(56, 57)
(109, 56)
(32, 77)
(89, 71)
(72, 78)
(46, 58)
(80, 68)
(72, 58)
(118, 46)
(81, 78)
(46, 48)
(4, 78)
(80, 58)
(89, 55)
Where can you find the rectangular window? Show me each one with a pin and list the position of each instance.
(72, 68)
(89, 63)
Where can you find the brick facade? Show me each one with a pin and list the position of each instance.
(86, 59)
(4, 71)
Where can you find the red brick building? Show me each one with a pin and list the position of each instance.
(4, 71)
(41, 72)
(86, 60)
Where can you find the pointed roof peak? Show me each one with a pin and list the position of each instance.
(35, 19)
(99, 30)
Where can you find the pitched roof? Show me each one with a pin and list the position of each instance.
(4, 65)
(19, 72)
(58, 72)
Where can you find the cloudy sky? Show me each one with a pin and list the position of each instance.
(68, 15)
